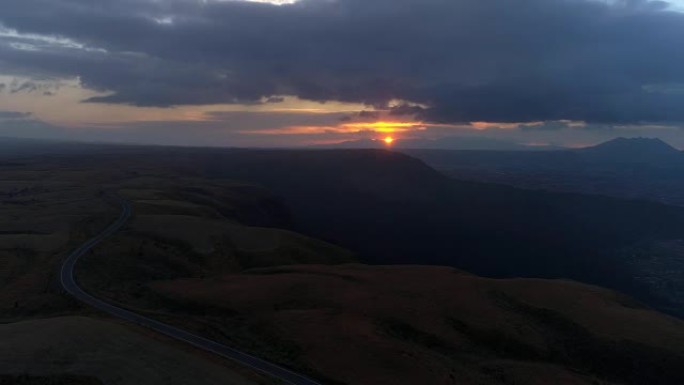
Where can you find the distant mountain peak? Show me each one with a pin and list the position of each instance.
(639, 143)
(633, 150)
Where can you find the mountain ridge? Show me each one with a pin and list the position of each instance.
(633, 150)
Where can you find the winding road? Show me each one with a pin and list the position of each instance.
(71, 286)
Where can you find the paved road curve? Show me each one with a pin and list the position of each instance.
(70, 285)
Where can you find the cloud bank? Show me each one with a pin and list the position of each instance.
(462, 61)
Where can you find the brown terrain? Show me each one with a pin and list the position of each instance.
(94, 351)
(374, 325)
(47, 210)
(215, 256)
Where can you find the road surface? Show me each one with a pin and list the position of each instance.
(71, 286)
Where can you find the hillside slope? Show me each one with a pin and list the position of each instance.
(177, 231)
(106, 351)
(210, 229)
(433, 325)
(391, 208)
(386, 207)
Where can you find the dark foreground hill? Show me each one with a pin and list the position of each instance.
(341, 323)
(203, 251)
(358, 325)
(391, 208)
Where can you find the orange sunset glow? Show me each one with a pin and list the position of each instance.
(389, 140)
(381, 127)
(385, 127)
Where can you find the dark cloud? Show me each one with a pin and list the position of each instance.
(28, 86)
(244, 120)
(466, 60)
(369, 114)
(364, 115)
(546, 126)
(275, 99)
(406, 109)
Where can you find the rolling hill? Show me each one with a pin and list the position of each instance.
(427, 325)
(252, 248)
(391, 208)
(87, 351)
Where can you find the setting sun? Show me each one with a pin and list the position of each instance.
(389, 140)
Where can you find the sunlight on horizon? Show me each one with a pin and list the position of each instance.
(386, 127)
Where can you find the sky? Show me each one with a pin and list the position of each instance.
(318, 72)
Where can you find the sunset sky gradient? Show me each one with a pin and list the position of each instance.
(310, 72)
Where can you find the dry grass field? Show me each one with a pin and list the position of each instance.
(48, 208)
(43, 213)
(218, 257)
(432, 325)
(102, 352)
